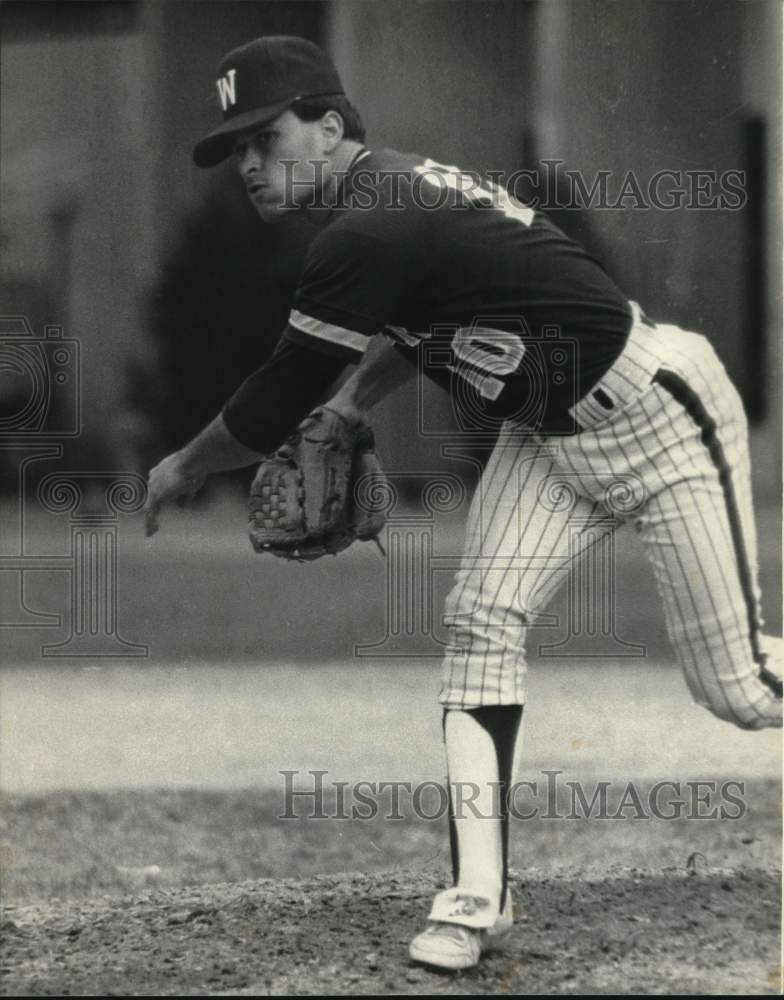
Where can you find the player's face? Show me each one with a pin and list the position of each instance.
(282, 163)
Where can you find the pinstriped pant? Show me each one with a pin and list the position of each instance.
(671, 456)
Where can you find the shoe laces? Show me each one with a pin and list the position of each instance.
(443, 929)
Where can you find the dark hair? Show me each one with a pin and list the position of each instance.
(309, 109)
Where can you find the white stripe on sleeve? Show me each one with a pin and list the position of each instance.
(328, 331)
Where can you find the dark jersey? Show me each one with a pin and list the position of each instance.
(487, 296)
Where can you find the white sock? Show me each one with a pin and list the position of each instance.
(478, 826)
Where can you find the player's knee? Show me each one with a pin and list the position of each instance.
(731, 683)
(760, 720)
(756, 709)
(721, 709)
(497, 627)
(470, 606)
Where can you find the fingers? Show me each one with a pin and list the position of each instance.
(151, 512)
(168, 482)
(152, 508)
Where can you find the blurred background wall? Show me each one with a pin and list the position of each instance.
(176, 291)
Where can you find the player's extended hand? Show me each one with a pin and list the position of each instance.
(169, 480)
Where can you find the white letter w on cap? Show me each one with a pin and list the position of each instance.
(226, 91)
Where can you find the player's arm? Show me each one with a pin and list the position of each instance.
(349, 286)
(350, 290)
(382, 370)
(255, 421)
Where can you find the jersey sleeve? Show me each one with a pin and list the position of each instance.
(270, 403)
(352, 286)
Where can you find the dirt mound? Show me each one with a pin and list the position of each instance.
(629, 931)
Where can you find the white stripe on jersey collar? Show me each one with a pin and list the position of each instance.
(360, 156)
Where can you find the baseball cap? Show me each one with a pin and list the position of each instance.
(258, 81)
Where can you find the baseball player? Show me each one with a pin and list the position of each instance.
(419, 270)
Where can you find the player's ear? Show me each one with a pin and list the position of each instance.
(331, 130)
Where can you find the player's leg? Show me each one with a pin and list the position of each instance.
(468, 919)
(698, 530)
(520, 545)
(525, 530)
(733, 434)
(736, 445)
(481, 745)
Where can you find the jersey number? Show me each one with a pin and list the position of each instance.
(493, 352)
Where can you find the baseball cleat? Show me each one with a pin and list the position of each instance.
(461, 928)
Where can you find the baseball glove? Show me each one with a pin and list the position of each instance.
(305, 498)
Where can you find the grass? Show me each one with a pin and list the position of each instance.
(81, 844)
